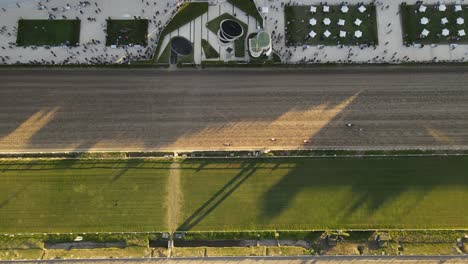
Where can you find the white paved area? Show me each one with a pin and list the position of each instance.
(92, 47)
(389, 30)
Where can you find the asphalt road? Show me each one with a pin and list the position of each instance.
(151, 109)
(278, 260)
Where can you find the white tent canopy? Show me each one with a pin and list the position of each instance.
(445, 32)
(342, 33)
(313, 21)
(326, 21)
(327, 33)
(425, 32)
(458, 8)
(362, 9)
(444, 21)
(424, 21)
(326, 9)
(357, 22)
(341, 22)
(460, 21)
(313, 9)
(461, 32)
(422, 8)
(442, 7)
(312, 34)
(358, 33)
(344, 9)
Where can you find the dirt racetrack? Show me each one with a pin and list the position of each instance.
(151, 109)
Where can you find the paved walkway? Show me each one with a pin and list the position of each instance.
(157, 11)
(393, 52)
(160, 11)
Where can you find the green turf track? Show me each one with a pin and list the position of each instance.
(82, 196)
(230, 194)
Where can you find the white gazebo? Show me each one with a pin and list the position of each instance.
(357, 22)
(424, 21)
(327, 33)
(313, 9)
(358, 33)
(344, 9)
(313, 21)
(460, 21)
(362, 9)
(326, 21)
(444, 21)
(445, 32)
(425, 33)
(458, 8)
(342, 33)
(312, 34)
(341, 22)
(422, 8)
(461, 32)
(326, 9)
(442, 7)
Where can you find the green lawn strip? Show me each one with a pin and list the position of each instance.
(20, 254)
(235, 251)
(321, 194)
(236, 235)
(248, 7)
(298, 27)
(188, 251)
(287, 251)
(129, 252)
(82, 196)
(127, 32)
(239, 44)
(412, 27)
(429, 249)
(210, 52)
(187, 13)
(48, 32)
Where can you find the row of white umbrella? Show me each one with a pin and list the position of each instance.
(445, 32)
(441, 7)
(443, 21)
(357, 34)
(327, 21)
(344, 9)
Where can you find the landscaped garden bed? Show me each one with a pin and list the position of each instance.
(427, 24)
(48, 32)
(127, 32)
(331, 25)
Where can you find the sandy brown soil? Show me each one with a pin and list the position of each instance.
(149, 109)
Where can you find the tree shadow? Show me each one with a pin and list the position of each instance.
(162, 110)
(221, 195)
(373, 181)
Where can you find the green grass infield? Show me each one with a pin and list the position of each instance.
(233, 194)
(48, 32)
(127, 32)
